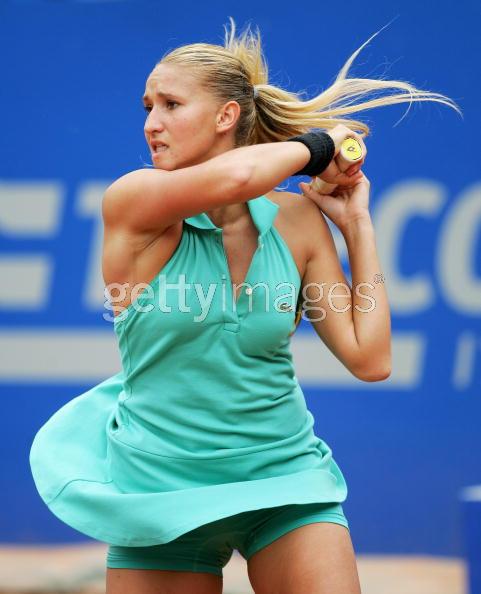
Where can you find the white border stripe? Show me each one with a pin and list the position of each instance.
(57, 357)
(72, 356)
(315, 364)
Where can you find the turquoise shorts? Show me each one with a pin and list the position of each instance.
(209, 547)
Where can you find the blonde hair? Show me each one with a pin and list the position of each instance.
(231, 71)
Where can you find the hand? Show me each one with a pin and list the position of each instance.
(345, 204)
(332, 174)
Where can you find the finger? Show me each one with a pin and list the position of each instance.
(349, 180)
(313, 194)
(353, 169)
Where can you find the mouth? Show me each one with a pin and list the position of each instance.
(158, 147)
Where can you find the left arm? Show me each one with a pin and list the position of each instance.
(354, 322)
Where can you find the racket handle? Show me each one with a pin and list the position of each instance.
(351, 152)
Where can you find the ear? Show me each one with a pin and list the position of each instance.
(227, 116)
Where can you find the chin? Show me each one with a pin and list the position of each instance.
(166, 167)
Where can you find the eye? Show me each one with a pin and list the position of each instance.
(148, 108)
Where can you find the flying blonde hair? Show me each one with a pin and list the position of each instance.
(231, 71)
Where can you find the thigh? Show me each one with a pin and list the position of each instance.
(156, 581)
(304, 551)
(191, 563)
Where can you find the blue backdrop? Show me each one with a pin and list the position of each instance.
(71, 121)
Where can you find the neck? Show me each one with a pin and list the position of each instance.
(230, 216)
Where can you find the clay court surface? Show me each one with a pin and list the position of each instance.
(80, 569)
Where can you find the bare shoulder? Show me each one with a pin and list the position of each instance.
(301, 217)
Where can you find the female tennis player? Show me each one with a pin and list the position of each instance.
(203, 443)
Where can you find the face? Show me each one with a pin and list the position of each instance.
(185, 118)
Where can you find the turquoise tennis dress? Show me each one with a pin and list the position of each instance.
(206, 418)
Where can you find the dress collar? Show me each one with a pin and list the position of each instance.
(263, 212)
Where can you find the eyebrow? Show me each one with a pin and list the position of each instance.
(160, 94)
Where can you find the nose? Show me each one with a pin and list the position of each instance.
(153, 122)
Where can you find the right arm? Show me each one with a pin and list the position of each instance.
(154, 199)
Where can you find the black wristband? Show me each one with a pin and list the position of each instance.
(322, 149)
